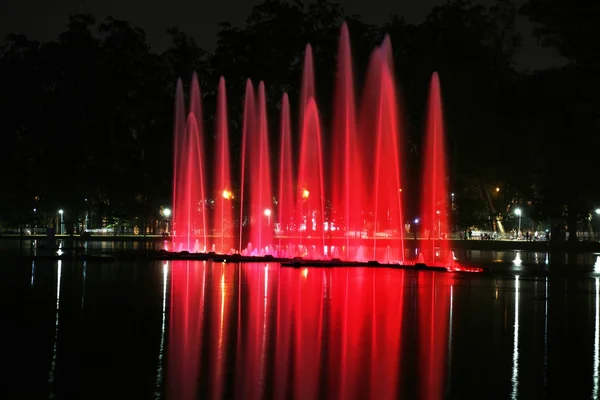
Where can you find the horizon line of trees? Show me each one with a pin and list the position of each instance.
(88, 118)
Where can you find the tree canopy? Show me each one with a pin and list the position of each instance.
(88, 117)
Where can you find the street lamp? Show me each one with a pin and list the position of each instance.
(518, 214)
(268, 215)
(439, 224)
(597, 211)
(166, 212)
(227, 195)
(62, 221)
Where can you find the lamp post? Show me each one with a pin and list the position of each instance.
(268, 215)
(518, 214)
(166, 213)
(227, 195)
(439, 218)
(305, 195)
(62, 221)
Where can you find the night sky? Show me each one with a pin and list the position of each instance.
(44, 19)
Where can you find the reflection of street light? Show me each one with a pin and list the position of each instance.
(518, 214)
(268, 215)
(62, 221)
(227, 195)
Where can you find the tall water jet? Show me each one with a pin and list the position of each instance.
(349, 197)
(286, 182)
(434, 200)
(261, 234)
(310, 198)
(307, 90)
(380, 113)
(178, 143)
(189, 217)
(222, 191)
(248, 128)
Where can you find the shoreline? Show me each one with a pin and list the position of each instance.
(459, 244)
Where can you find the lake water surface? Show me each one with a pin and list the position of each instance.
(182, 330)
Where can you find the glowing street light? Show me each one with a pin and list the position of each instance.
(227, 195)
(62, 221)
(166, 213)
(497, 189)
(268, 215)
(518, 214)
(305, 194)
(597, 211)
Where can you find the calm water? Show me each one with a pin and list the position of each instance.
(179, 330)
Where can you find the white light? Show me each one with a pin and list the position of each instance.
(267, 213)
(416, 220)
(515, 366)
(167, 212)
(598, 211)
(60, 212)
(518, 212)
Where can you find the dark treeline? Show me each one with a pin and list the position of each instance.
(87, 119)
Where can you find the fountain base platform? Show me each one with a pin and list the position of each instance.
(296, 262)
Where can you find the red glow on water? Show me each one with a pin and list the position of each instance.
(310, 194)
(185, 329)
(434, 310)
(222, 191)
(220, 323)
(434, 201)
(260, 331)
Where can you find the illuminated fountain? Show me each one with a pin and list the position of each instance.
(335, 199)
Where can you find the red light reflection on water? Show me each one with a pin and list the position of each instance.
(272, 332)
(185, 328)
(434, 306)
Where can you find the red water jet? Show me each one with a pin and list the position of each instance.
(348, 196)
(310, 198)
(286, 182)
(249, 125)
(307, 90)
(434, 201)
(189, 200)
(380, 125)
(222, 191)
(261, 232)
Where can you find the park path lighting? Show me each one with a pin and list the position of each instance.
(518, 213)
(62, 221)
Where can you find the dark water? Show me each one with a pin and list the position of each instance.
(181, 330)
